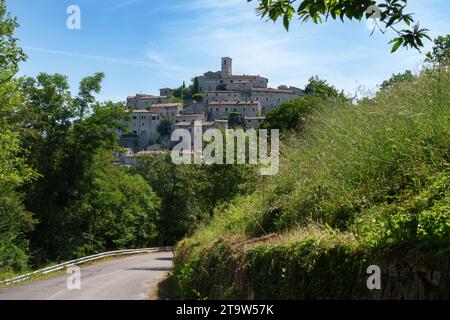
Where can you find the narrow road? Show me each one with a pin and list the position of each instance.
(126, 278)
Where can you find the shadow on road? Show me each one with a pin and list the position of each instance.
(152, 269)
(165, 258)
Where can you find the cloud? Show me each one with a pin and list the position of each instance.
(156, 62)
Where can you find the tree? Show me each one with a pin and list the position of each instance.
(15, 220)
(396, 79)
(440, 54)
(321, 89)
(234, 120)
(390, 14)
(62, 135)
(198, 97)
(117, 210)
(196, 87)
(290, 115)
(165, 126)
(179, 189)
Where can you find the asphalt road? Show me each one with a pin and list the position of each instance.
(126, 278)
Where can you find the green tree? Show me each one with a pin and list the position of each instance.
(391, 14)
(117, 210)
(234, 120)
(322, 89)
(15, 220)
(440, 54)
(179, 188)
(291, 114)
(196, 87)
(62, 136)
(165, 126)
(397, 78)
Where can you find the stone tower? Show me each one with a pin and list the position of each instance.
(227, 67)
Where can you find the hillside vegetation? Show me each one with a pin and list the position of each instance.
(360, 185)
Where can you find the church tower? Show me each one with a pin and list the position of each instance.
(227, 67)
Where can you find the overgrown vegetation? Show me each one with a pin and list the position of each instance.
(359, 185)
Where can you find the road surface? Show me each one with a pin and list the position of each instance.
(126, 278)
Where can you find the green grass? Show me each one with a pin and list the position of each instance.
(366, 182)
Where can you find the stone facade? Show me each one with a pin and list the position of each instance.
(223, 94)
(252, 122)
(167, 109)
(144, 101)
(167, 92)
(222, 109)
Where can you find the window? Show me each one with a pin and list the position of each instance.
(143, 133)
(217, 109)
(143, 124)
(134, 117)
(153, 118)
(142, 117)
(226, 109)
(267, 98)
(134, 132)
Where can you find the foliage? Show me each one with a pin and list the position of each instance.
(291, 114)
(440, 54)
(189, 193)
(117, 210)
(196, 87)
(234, 120)
(321, 89)
(361, 184)
(165, 126)
(389, 12)
(395, 79)
(198, 97)
(15, 221)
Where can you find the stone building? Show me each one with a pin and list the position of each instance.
(143, 129)
(189, 117)
(212, 81)
(271, 98)
(167, 109)
(144, 101)
(223, 109)
(167, 92)
(252, 122)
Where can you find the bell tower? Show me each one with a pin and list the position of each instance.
(227, 67)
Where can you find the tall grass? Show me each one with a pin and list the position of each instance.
(361, 184)
(348, 159)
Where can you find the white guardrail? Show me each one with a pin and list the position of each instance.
(81, 261)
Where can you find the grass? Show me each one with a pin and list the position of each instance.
(361, 182)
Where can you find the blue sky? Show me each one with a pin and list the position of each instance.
(143, 45)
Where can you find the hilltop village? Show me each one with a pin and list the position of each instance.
(220, 98)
